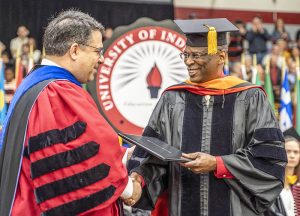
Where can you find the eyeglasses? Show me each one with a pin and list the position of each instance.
(98, 50)
(193, 55)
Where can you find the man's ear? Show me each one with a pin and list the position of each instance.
(222, 57)
(73, 51)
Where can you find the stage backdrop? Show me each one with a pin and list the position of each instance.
(140, 61)
(35, 13)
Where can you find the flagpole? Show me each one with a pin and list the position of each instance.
(243, 67)
(254, 69)
(255, 75)
(30, 61)
(43, 53)
(283, 70)
(297, 97)
(17, 65)
(2, 93)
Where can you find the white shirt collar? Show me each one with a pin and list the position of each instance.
(49, 63)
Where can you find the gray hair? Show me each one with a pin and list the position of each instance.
(223, 48)
(70, 26)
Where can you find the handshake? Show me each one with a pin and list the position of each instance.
(137, 190)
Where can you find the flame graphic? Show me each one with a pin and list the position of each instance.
(154, 78)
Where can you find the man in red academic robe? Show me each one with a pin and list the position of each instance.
(59, 156)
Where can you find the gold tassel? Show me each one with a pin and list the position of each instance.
(120, 140)
(212, 43)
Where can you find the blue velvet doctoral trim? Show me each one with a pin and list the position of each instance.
(191, 142)
(36, 76)
(221, 144)
(268, 134)
(269, 152)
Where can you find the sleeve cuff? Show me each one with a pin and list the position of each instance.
(124, 159)
(128, 191)
(142, 181)
(222, 171)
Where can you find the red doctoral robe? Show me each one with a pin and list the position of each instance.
(75, 162)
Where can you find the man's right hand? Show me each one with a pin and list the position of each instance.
(254, 28)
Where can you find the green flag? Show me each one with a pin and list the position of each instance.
(257, 79)
(269, 89)
(255, 74)
(268, 84)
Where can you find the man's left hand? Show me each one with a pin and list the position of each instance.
(201, 162)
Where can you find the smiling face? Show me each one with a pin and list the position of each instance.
(201, 66)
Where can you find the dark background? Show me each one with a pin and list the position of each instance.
(34, 14)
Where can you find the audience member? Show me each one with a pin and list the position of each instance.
(279, 31)
(25, 52)
(248, 67)
(22, 38)
(275, 61)
(295, 53)
(10, 83)
(258, 37)
(298, 38)
(6, 57)
(36, 53)
(283, 48)
(288, 202)
(108, 33)
(236, 70)
(235, 48)
(2, 47)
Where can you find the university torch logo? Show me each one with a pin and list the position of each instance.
(154, 81)
(138, 66)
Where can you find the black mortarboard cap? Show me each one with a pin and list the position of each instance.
(292, 132)
(209, 33)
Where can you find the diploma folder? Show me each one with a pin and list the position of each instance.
(155, 147)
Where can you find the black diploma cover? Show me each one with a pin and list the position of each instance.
(155, 147)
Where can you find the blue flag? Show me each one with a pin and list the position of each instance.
(2, 95)
(285, 110)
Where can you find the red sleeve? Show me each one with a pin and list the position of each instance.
(58, 107)
(123, 149)
(222, 171)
